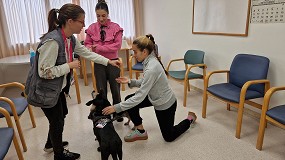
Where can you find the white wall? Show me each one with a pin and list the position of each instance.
(170, 22)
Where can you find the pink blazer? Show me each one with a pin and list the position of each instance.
(113, 40)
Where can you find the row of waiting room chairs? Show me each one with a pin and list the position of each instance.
(13, 107)
(246, 80)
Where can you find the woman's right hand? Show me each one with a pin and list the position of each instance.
(123, 80)
(74, 64)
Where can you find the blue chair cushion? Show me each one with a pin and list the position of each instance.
(180, 75)
(246, 67)
(138, 66)
(277, 113)
(5, 140)
(20, 103)
(231, 92)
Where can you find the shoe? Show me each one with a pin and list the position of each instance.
(48, 147)
(136, 135)
(193, 115)
(66, 155)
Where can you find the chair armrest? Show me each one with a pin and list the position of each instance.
(13, 84)
(268, 95)
(131, 62)
(171, 61)
(207, 78)
(7, 117)
(194, 66)
(249, 83)
(11, 104)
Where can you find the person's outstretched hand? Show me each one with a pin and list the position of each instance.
(108, 110)
(123, 80)
(115, 63)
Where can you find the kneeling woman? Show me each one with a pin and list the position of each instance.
(154, 90)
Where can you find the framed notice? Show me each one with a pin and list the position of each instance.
(221, 17)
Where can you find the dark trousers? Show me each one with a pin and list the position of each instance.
(55, 116)
(108, 73)
(165, 119)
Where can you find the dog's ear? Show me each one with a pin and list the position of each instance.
(89, 103)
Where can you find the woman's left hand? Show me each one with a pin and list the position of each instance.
(108, 110)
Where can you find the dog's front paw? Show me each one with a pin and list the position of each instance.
(99, 149)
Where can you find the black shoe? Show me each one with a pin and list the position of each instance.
(48, 147)
(66, 155)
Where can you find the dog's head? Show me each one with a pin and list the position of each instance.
(99, 103)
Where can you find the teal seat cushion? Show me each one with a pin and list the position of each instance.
(180, 75)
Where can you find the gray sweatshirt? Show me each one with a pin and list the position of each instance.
(154, 84)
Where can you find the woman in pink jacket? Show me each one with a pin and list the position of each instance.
(105, 38)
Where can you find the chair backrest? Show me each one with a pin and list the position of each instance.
(194, 57)
(246, 67)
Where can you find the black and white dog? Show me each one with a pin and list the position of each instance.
(109, 141)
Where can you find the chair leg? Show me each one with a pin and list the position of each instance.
(205, 99)
(17, 147)
(122, 73)
(261, 131)
(93, 77)
(186, 82)
(228, 107)
(130, 74)
(83, 66)
(77, 86)
(19, 128)
(239, 119)
(81, 69)
(188, 86)
(137, 75)
(32, 116)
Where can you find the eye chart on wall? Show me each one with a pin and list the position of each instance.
(268, 11)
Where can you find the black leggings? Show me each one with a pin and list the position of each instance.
(55, 116)
(165, 119)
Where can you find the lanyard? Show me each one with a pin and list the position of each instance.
(66, 46)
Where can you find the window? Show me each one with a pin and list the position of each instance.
(27, 20)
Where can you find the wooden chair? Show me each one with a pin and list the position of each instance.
(275, 115)
(192, 59)
(15, 107)
(94, 78)
(76, 83)
(7, 136)
(246, 80)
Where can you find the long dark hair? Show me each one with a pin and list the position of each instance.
(102, 5)
(67, 11)
(147, 42)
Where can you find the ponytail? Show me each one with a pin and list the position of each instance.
(147, 42)
(52, 20)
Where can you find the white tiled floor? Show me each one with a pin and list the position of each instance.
(210, 138)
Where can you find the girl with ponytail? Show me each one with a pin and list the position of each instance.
(49, 78)
(154, 90)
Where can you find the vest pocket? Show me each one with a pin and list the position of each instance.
(47, 95)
